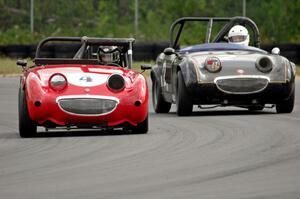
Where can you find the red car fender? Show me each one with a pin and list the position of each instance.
(139, 96)
(35, 92)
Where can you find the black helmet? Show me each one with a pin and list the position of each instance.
(108, 54)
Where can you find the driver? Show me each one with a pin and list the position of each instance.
(109, 55)
(239, 35)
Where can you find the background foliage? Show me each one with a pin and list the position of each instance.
(278, 20)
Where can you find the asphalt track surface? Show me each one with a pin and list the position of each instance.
(220, 153)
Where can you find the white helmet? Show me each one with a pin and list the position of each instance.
(239, 35)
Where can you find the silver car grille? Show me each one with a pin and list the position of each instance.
(87, 105)
(241, 85)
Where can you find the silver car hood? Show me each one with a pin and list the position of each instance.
(238, 63)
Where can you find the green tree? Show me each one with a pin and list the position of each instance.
(278, 20)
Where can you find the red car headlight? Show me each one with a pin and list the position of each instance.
(116, 82)
(58, 82)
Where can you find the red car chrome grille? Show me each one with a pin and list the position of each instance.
(87, 106)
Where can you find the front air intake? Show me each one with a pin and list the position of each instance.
(241, 85)
(264, 64)
(116, 83)
(87, 106)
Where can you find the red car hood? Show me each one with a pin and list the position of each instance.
(83, 75)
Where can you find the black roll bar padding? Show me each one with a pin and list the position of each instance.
(43, 61)
(39, 46)
(110, 41)
(88, 41)
(231, 22)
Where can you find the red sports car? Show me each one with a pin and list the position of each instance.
(95, 88)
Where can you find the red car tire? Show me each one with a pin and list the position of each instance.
(27, 127)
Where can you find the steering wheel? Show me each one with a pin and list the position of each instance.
(112, 64)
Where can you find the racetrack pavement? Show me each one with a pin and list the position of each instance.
(214, 154)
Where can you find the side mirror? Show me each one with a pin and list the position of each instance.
(22, 62)
(169, 51)
(146, 67)
(275, 51)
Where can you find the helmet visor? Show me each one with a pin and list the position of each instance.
(109, 55)
(237, 38)
(106, 58)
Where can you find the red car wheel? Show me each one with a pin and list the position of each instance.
(27, 127)
(141, 128)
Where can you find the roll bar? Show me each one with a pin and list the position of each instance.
(126, 42)
(210, 20)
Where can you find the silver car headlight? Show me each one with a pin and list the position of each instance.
(213, 64)
(58, 82)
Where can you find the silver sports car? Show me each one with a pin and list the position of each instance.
(221, 73)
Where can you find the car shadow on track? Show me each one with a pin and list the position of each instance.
(231, 112)
(217, 113)
(82, 133)
(66, 133)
